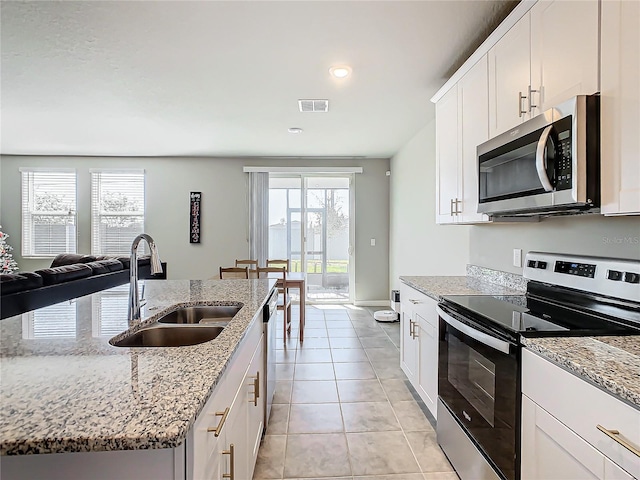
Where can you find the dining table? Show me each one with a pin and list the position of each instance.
(295, 280)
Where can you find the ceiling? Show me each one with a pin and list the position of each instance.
(209, 78)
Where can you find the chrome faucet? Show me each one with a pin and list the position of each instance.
(156, 267)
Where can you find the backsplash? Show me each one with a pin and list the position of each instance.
(505, 279)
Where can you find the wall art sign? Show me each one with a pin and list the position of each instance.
(194, 217)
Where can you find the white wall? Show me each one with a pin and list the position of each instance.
(224, 211)
(418, 246)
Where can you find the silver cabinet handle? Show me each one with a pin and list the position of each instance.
(481, 337)
(615, 435)
(531, 92)
(458, 211)
(541, 159)
(521, 104)
(451, 207)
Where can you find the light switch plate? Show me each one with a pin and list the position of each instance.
(517, 257)
(373, 242)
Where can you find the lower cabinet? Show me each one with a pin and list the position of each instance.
(560, 435)
(224, 441)
(419, 344)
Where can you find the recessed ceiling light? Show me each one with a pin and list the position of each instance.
(341, 71)
(294, 130)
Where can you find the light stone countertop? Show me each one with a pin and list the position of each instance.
(611, 363)
(78, 393)
(437, 286)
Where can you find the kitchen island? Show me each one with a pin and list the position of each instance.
(69, 390)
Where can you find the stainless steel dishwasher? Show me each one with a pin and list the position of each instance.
(269, 385)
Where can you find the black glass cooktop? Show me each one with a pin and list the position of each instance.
(530, 316)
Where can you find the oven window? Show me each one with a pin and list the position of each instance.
(474, 376)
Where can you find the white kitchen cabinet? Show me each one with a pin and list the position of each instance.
(509, 78)
(447, 157)
(419, 344)
(461, 125)
(560, 415)
(550, 55)
(408, 342)
(256, 398)
(620, 111)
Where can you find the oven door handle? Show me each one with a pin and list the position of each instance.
(481, 337)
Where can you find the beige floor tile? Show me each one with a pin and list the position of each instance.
(314, 343)
(342, 355)
(319, 391)
(290, 343)
(270, 463)
(279, 420)
(345, 342)
(396, 389)
(283, 392)
(314, 371)
(314, 332)
(284, 371)
(333, 324)
(361, 391)
(285, 356)
(377, 342)
(315, 418)
(385, 369)
(320, 455)
(369, 417)
(380, 454)
(441, 476)
(314, 355)
(401, 476)
(430, 456)
(411, 417)
(354, 371)
(341, 332)
(383, 354)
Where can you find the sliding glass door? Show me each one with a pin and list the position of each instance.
(310, 224)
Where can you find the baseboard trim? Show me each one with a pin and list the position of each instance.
(372, 303)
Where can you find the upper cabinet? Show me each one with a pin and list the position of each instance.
(461, 125)
(547, 57)
(620, 108)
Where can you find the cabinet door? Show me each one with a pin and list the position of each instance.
(408, 345)
(620, 168)
(255, 406)
(564, 51)
(614, 472)
(509, 77)
(473, 92)
(427, 318)
(447, 157)
(551, 451)
(234, 442)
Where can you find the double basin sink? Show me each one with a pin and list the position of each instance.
(182, 327)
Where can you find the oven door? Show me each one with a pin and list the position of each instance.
(478, 383)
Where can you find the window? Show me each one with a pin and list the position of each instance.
(48, 212)
(117, 210)
(54, 321)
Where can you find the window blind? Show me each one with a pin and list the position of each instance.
(110, 310)
(117, 210)
(54, 321)
(48, 212)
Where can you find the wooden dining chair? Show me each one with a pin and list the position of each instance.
(247, 263)
(234, 272)
(279, 263)
(284, 300)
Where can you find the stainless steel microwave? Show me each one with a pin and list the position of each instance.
(547, 165)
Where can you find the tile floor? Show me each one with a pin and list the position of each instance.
(343, 408)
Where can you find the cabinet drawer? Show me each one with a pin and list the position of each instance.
(412, 296)
(581, 407)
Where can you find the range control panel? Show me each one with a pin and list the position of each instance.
(580, 269)
(618, 278)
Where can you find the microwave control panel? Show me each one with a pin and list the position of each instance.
(563, 161)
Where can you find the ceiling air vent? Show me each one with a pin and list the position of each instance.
(308, 105)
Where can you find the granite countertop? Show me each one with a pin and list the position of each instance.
(437, 286)
(68, 390)
(611, 363)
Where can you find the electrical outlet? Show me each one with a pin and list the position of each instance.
(373, 242)
(517, 257)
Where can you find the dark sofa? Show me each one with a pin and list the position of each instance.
(70, 276)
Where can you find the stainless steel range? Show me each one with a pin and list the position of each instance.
(479, 350)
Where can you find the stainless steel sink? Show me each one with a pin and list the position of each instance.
(170, 336)
(202, 315)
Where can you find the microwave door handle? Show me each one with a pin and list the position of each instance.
(541, 159)
(488, 340)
